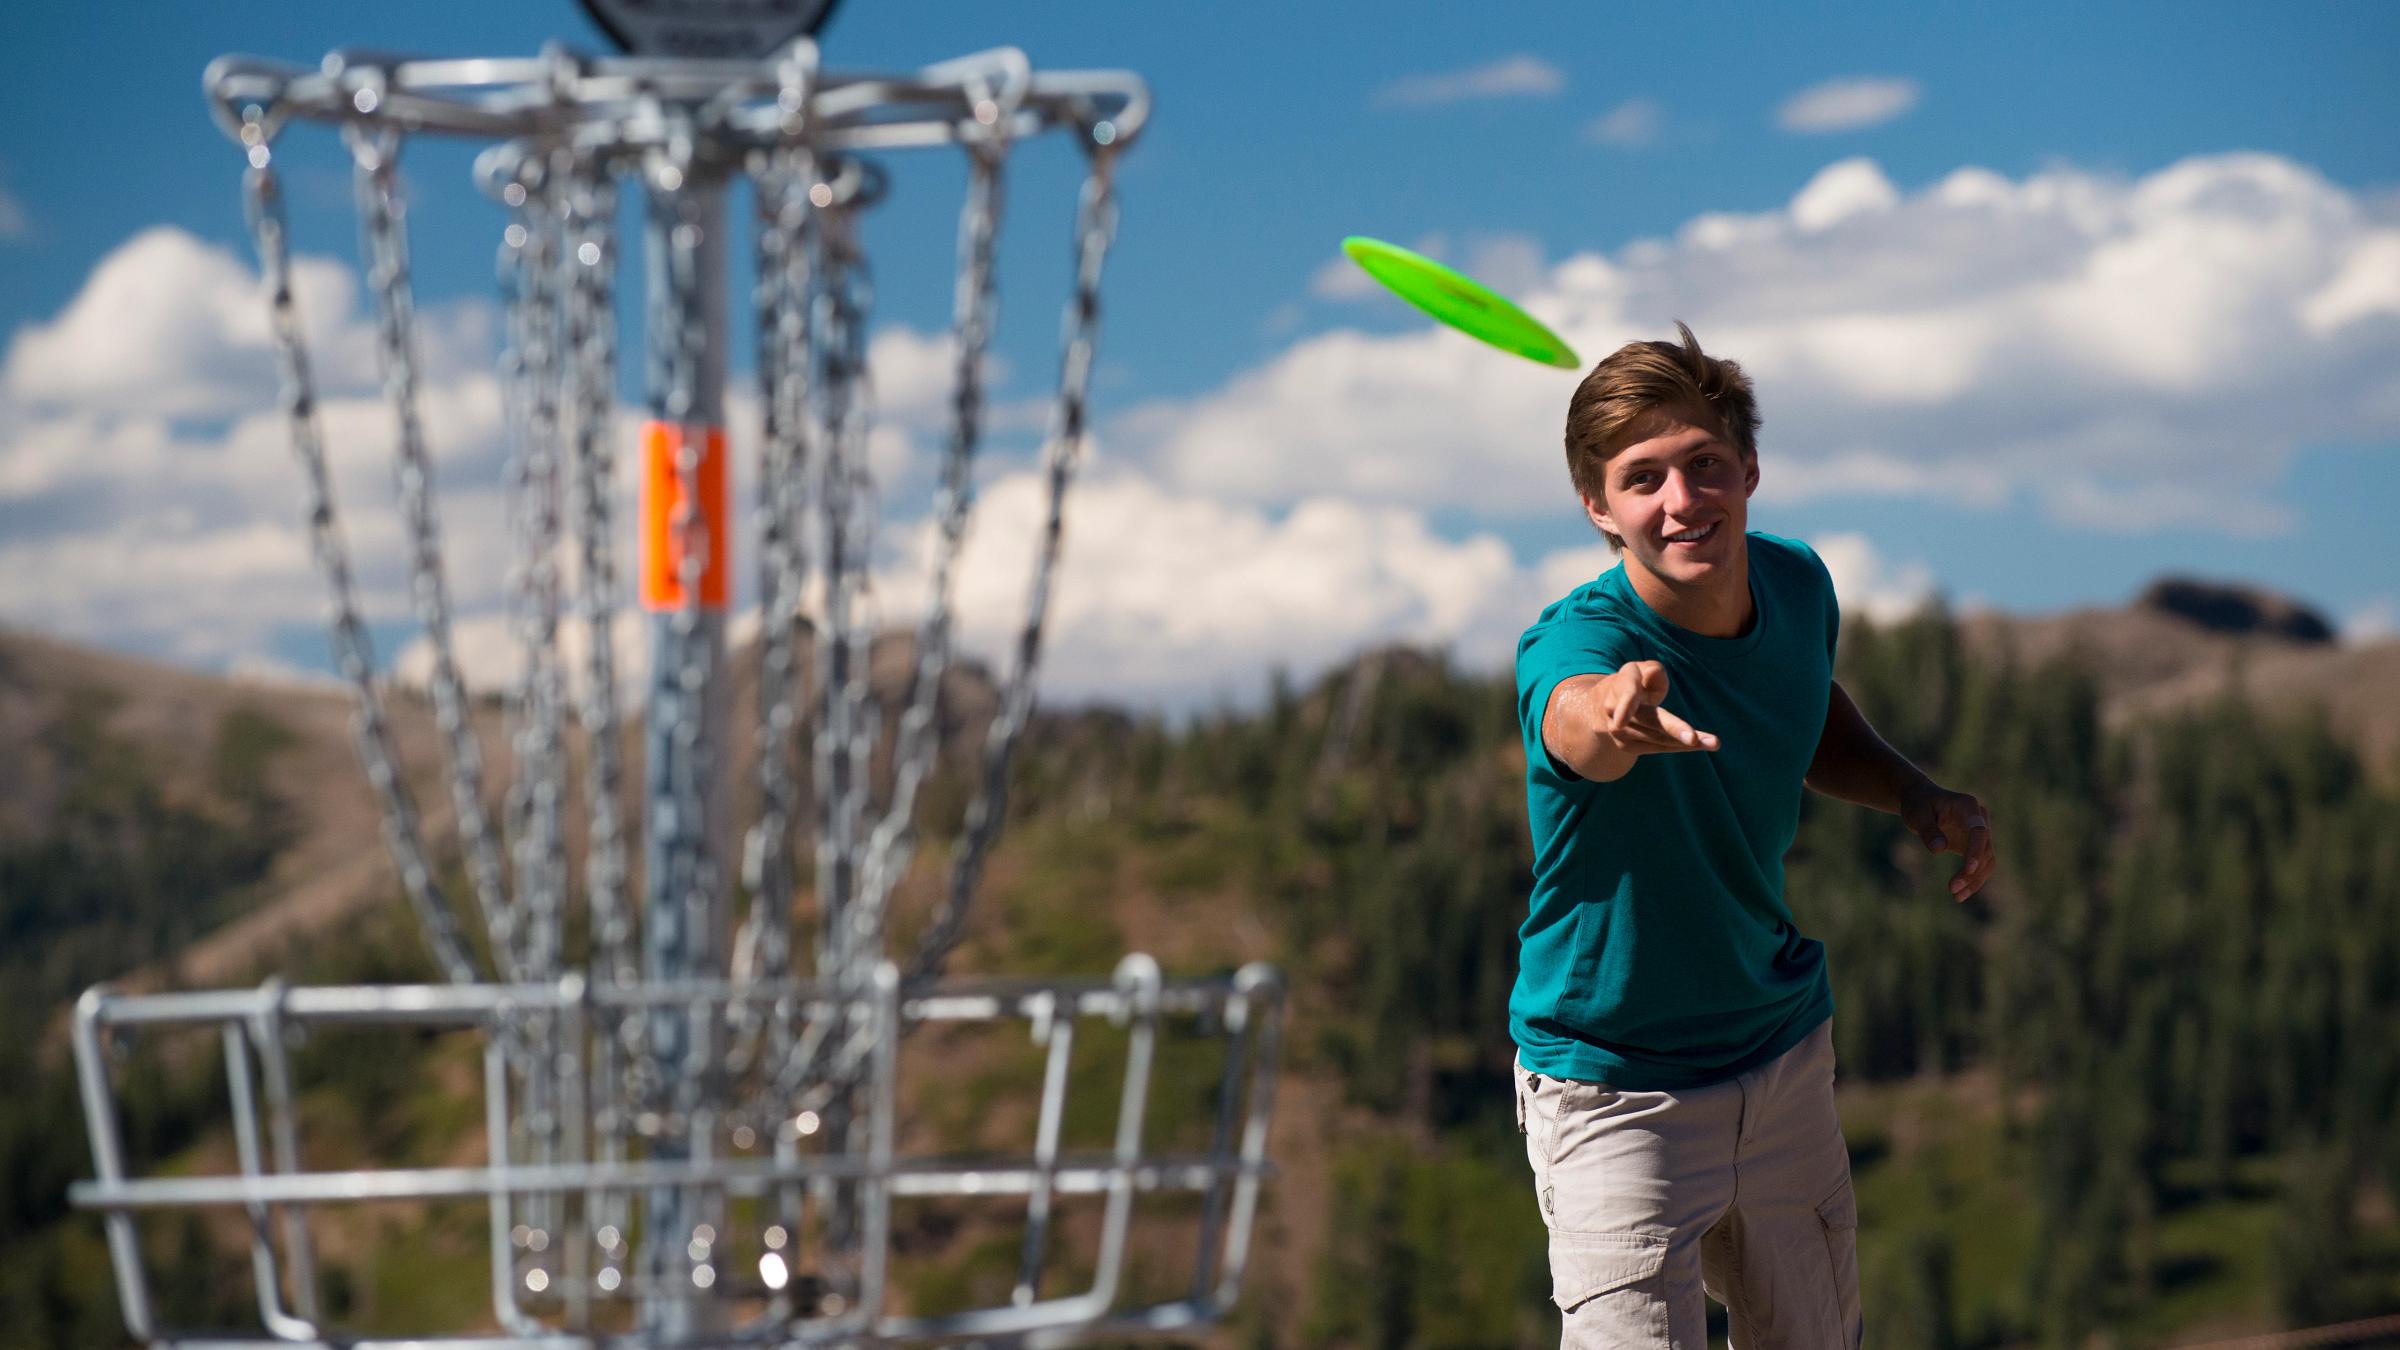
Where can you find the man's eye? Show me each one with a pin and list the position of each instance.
(1704, 461)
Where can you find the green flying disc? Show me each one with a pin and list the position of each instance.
(1460, 301)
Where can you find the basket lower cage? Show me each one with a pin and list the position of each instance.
(748, 1198)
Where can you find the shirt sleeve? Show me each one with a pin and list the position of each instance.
(1833, 605)
(1824, 583)
(1551, 652)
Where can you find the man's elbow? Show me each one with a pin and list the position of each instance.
(1598, 762)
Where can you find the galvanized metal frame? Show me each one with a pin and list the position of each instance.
(262, 1024)
(630, 100)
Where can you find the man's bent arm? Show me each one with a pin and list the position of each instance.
(1856, 765)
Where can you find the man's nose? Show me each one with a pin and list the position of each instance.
(1679, 492)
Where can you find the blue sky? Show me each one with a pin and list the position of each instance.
(2173, 183)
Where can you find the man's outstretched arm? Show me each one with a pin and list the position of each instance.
(1854, 764)
(1598, 725)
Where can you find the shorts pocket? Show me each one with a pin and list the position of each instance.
(1838, 1212)
(1583, 1266)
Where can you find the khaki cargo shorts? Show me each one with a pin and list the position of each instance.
(1740, 1189)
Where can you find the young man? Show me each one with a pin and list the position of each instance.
(1674, 1050)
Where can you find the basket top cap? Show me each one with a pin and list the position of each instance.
(732, 29)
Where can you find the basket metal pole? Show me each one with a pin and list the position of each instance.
(685, 911)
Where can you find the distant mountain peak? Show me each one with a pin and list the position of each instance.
(2235, 609)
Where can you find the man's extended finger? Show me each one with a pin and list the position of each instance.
(1649, 739)
(1684, 733)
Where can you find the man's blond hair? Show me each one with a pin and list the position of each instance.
(1629, 395)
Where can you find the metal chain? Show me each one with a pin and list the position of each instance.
(375, 151)
(529, 268)
(786, 234)
(785, 238)
(974, 311)
(847, 729)
(1095, 227)
(353, 650)
(843, 743)
(691, 881)
(591, 207)
(623, 1083)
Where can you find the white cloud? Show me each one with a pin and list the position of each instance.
(489, 655)
(271, 673)
(1868, 584)
(149, 497)
(1170, 598)
(1631, 124)
(1165, 598)
(2127, 354)
(1508, 77)
(1419, 418)
(1562, 570)
(1847, 105)
(2367, 287)
(1841, 191)
(2372, 623)
(171, 326)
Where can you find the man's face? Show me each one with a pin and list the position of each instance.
(1680, 499)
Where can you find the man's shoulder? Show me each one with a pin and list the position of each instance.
(1781, 560)
(1592, 612)
(1783, 547)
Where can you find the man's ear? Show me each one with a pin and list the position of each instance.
(1596, 510)
(1750, 477)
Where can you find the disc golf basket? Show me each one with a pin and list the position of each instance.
(689, 1138)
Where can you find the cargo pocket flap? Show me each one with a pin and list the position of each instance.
(1583, 1266)
(1840, 1209)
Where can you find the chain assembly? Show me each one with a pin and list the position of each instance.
(531, 370)
(590, 200)
(375, 150)
(974, 307)
(1095, 228)
(353, 650)
(785, 178)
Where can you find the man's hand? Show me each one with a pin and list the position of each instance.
(1632, 720)
(1598, 725)
(1952, 822)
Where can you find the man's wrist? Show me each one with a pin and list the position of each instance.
(1912, 784)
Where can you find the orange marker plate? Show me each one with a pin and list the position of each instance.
(662, 500)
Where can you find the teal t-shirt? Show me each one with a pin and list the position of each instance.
(1658, 952)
